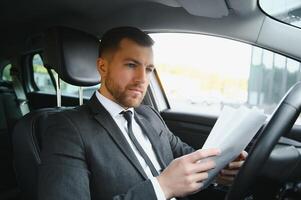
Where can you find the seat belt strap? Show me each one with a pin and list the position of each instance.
(19, 91)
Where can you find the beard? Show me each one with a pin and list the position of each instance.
(121, 94)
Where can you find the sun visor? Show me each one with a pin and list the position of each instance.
(201, 8)
(72, 54)
(205, 8)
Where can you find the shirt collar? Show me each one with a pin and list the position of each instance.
(113, 108)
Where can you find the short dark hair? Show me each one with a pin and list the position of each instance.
(111, 39)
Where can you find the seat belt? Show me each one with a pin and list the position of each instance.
(19, 91)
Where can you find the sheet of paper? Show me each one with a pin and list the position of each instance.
(231, 133)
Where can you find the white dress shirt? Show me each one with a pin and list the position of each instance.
(115, 109)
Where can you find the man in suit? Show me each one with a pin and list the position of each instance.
(113, 147)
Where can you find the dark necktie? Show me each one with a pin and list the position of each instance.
(128, 116)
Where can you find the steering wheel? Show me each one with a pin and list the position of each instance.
(281, 122)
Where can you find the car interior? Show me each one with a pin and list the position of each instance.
(63, 37)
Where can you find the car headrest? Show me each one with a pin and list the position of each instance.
(72, 54)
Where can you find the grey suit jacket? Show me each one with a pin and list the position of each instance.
(85, 155)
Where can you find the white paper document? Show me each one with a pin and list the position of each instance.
(231, 133)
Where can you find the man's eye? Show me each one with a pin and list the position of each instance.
(149, 69)
(131, 65)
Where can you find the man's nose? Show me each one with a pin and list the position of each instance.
(141, 75)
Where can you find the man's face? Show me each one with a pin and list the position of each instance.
(125, 73)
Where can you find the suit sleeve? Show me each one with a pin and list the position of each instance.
(64, 173)
(143, 190)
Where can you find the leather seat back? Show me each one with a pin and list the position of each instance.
(26, 147)
(9, 114)
(72, 54)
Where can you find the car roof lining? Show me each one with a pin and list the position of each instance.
(22, 32)
(273, 33)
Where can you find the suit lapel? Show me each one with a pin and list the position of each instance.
(154, 137)
(104, 118)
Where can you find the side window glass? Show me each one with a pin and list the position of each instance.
(68, 89)
(205, 73)
(6, 73)
(41, 76)
(44, 83)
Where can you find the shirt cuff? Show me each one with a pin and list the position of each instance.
(158, 190)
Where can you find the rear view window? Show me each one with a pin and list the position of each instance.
(6, 73)
(41, 76)
(44, 83)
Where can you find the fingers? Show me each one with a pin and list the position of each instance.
(226, 172)
(202, 153)
(197, 180)
(226, 177)
(203, 165)
(185, 175)
(225, 180)
(235, 164)
(239, 161)
(242, 156)
(200, 160)
(198, 177)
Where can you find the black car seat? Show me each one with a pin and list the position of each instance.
(72, 54)
(9, 109)
(9, 114)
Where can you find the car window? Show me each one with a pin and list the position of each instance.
(6, 73)
(44, 83)
(202, 74)
(41, 76)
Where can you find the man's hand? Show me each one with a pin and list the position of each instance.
(227, 175)
(184, 175)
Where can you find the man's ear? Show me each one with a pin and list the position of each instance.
(102, 67)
